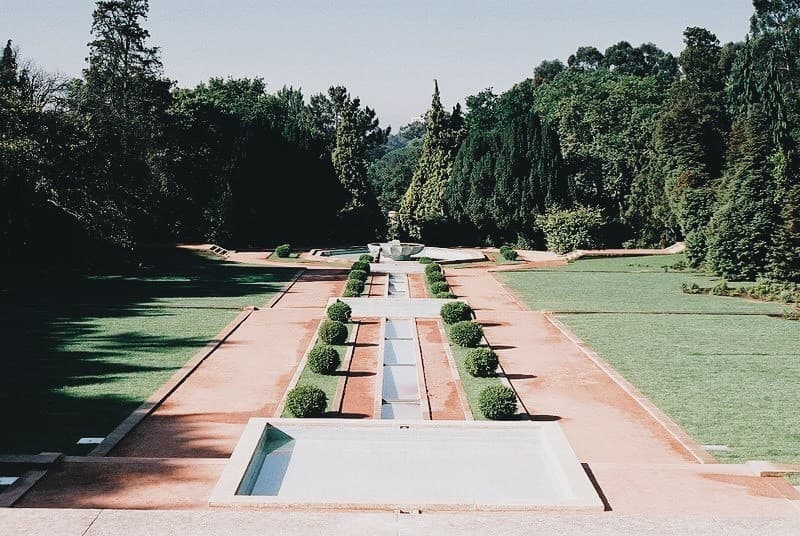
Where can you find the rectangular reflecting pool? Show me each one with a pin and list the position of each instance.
(444, 465)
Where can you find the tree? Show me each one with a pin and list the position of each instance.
(689, 139)
(391, 174)
(784, 258)
(350, 162)
(741, 230)
(586, 59)
(423, 203)
(547, 71)
(508, 169)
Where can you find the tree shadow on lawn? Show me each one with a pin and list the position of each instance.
(80, 353)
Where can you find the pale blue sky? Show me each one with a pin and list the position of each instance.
(387, 52)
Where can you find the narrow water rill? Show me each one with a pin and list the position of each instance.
(400, 390)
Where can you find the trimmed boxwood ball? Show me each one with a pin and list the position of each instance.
(455, 312)
(433, 277)
(360, 275)
(431, 268)
(360, 265)
(445, 295)
(498, 402)
(439, 286)
(350, 294)
(340, 311)
(365, 258)
(333, 332)
(510, 254)
(481, 362)
(324, 359)
(283, 250)
(466, 333)
(307, 401)
(425, 260)
(354, 285)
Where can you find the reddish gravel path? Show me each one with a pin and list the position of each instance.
(358, 400)
(439, 379)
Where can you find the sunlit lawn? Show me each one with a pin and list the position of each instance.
(721, 368)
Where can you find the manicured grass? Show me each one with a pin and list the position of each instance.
(633, 284)
(727, 378)
(81, 353)
(327, 382)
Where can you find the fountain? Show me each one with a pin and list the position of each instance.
(395, 250)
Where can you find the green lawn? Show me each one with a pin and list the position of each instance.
(724, 370)
(327, 382)
(82, 352)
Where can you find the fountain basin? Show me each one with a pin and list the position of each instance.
(395, 250)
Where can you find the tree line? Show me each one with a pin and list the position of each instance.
(631, 146)
(627, 146)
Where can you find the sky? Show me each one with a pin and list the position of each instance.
(386, 52)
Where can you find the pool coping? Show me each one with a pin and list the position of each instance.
(224, 493)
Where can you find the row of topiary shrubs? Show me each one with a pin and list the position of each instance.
(309, 400)
(437, 283)
(357, 279)
(495, 401)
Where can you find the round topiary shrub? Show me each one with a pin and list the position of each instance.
(333, 332)
(360, 265)
(509, 254)
(306, 401)
(283, 250)
(366, 258)
(350, 294)
(339, 311)
(481, 362)
(455, 312)
(324, 359)
(433, 267)
(354, 285)
(433, 277)
(445, 295)
(439, 286)
(425, 260)
(466, 333)
(360, 275)
(498, 402)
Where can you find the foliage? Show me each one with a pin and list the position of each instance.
(445, 295)
(324, 359)
(432, 267)
(359, 275)
(509, 254)
(366, 258)
(422, 204)
(425, 260)
(283, 250)
(566, 230)
(355, 286)
(466, 333)
(455, 312)
(438, 287)
(360, 265)
(332, 332)
(339, 311)
(306, 401)
(498, 402)
(435, 277)
(481, 362)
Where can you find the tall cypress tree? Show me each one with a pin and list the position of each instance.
(423, 202)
